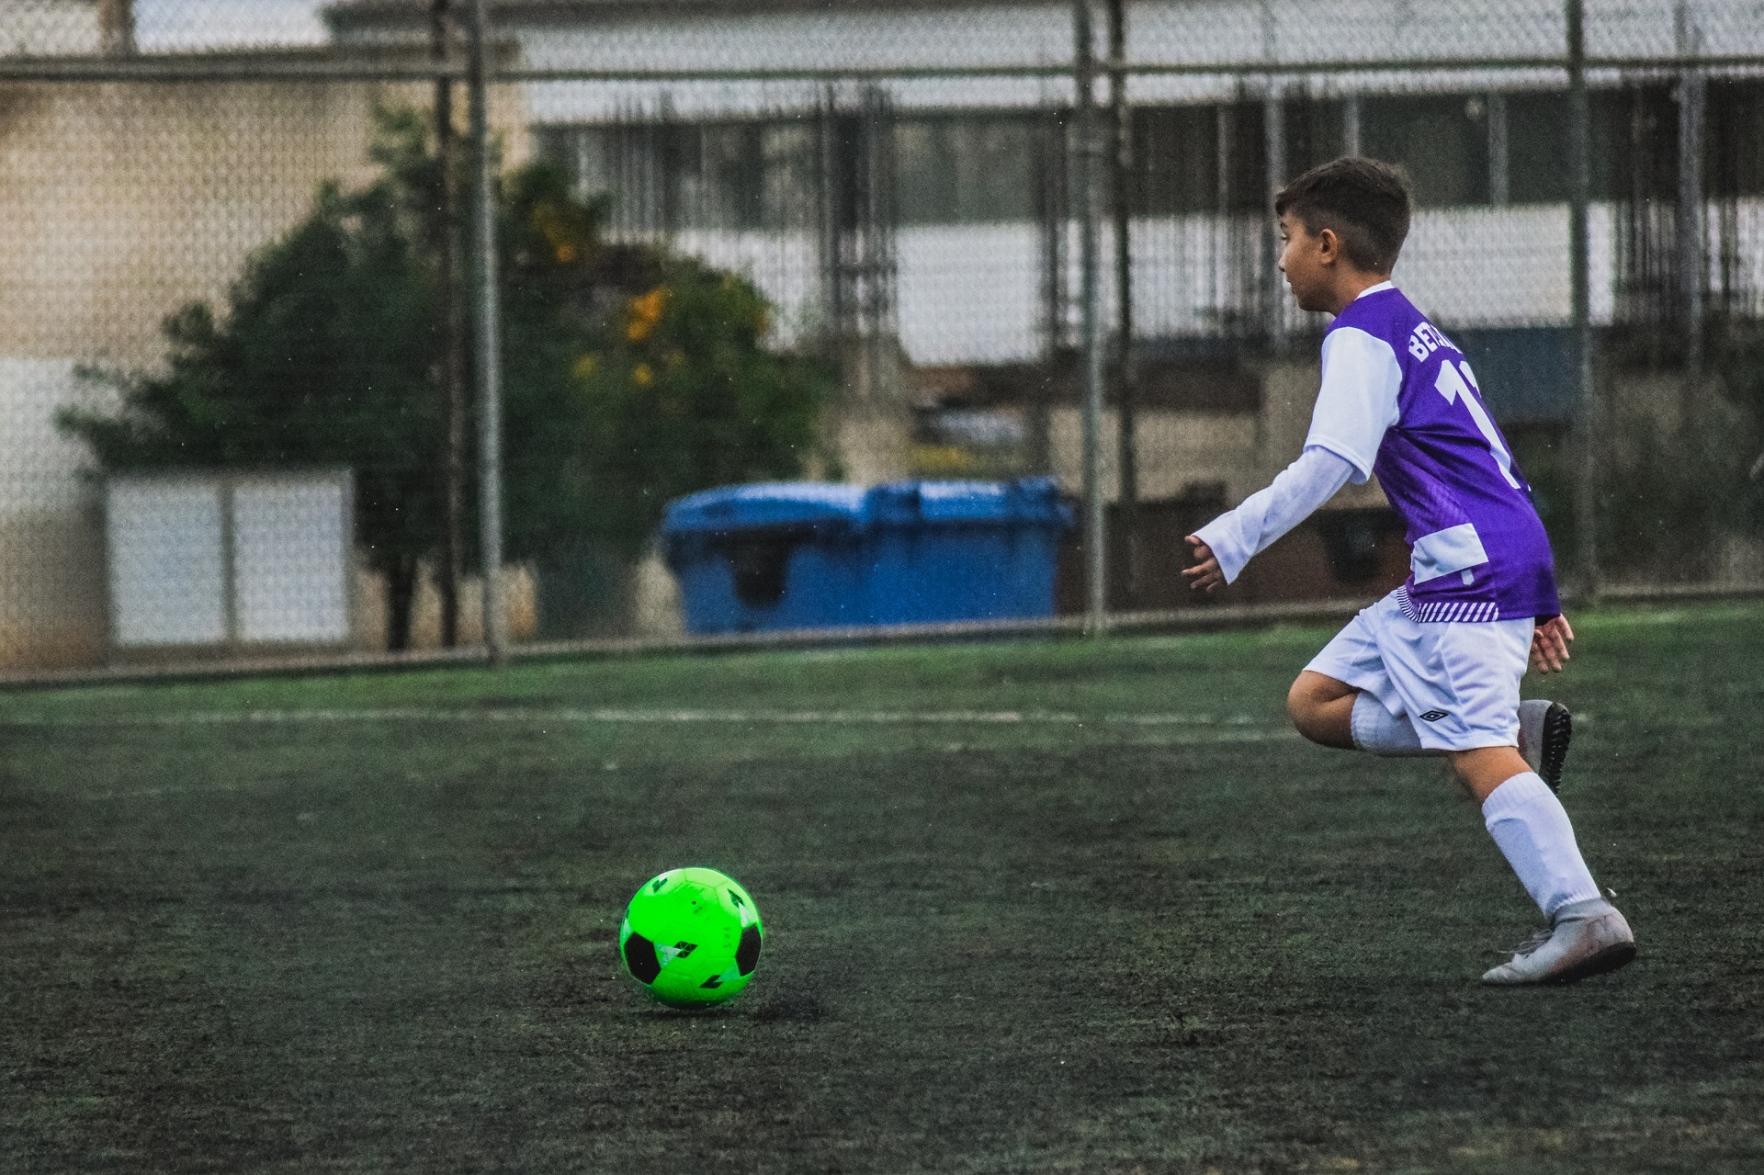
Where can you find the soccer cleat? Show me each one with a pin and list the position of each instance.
(1587, 938)
(1544, 730)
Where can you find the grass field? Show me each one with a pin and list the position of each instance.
(1044, 906)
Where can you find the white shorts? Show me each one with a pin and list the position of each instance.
(1458, 682)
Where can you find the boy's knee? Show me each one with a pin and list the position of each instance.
(1484, 769)
(1298, 704)
(1304, 706)
(1318, 707)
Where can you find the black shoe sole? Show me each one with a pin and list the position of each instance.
(1558, 730)
(1609, 959)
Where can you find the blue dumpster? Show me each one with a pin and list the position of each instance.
(793, 555)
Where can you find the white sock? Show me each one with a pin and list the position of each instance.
(1531, 827)
(1377, 730)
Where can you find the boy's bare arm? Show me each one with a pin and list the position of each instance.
(1549, 644)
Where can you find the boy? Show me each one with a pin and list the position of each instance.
(1434, 667)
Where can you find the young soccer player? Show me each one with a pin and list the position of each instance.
(1434, 667)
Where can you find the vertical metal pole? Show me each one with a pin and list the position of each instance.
(1586, 551)
(451, 364)
(487, 330)
(1053, 158)
(1274, 302)
(1693, 265)
(832, 229)
(229, 527)
(1126, 380)
(116, 27)
(1500, 178)
(1090, 249)
(1351, 123)
(1266, 239)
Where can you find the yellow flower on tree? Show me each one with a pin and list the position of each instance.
(558, 233)
(646, 312)
(642, 375)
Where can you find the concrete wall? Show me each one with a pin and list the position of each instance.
(119, 205)
(124, 202)
(48, 28)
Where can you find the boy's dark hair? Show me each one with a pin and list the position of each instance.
(1365, 201)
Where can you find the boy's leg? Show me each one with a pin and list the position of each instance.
(1345, 697)
(1463, 680)
(1350, 699)
(1460, 683)
(1545, 729)
(1529, 825)
(1335, 714)
(1321, 708)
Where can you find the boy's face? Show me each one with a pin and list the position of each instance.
(1306, 262)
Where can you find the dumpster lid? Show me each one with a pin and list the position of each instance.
(1029, 499)
(765, 506)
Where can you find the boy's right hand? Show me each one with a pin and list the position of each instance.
(1549, 644)
(1205, 575)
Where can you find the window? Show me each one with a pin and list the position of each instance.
(960, 169)
(1537, 148)
(1316, 132)
(662, 175)
(1442, 139)
(1733, 145)
(1634, 145)
(718, 176)
(1200, 158)
(1176, 157)
(789, 176)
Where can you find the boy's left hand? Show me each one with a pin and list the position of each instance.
(1205, 575)
(1549, 644)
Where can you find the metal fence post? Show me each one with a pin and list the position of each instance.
(1693, 264)
(1090, 249)
(1126, 378)
(1586, 554)
(487, 328)
(451, 366)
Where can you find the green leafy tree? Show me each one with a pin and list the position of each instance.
(651, 378)
(1669, 491)
(630, 375)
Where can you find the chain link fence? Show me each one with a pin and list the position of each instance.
(242, 371)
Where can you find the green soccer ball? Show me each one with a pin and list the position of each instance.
(691, 938)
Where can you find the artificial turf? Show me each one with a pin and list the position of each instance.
(1081, 905)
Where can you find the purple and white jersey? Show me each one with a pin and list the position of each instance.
(1398, 399)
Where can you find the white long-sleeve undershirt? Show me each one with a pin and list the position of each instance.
(1237, 536)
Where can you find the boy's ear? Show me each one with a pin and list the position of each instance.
(1328, 246)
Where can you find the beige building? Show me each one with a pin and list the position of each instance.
(120, 204)
(51, 28)
(124, 202)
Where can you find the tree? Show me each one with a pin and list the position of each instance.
(631, 375)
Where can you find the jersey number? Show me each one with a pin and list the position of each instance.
(1456, 383)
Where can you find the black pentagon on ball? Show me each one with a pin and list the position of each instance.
(641, 959)
(747, 954)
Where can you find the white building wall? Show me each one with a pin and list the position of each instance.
(972, 293)
(1238, 33)
(1173, 32)
(48, 28)
(51, 546)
